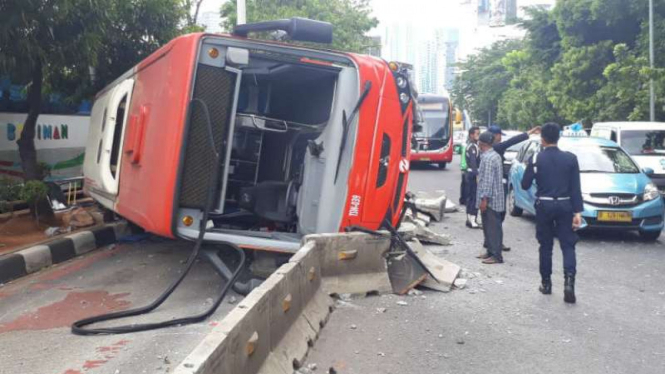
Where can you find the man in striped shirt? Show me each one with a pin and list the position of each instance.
(491, 199)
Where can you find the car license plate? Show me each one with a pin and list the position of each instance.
(615, 216)
(425, 158)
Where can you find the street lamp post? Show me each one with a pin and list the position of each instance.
(242, 12)
(652, 94)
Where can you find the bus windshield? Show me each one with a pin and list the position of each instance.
(436, 124)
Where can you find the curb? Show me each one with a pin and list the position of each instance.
(29, 260)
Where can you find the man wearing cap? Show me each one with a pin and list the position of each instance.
(490, 199)
(558, 207)
(500, 147)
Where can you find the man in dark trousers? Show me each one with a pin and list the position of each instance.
(558, 207)
(472, 155)
(501, 147)
(490, 199)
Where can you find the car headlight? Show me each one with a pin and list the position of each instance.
(650, 192)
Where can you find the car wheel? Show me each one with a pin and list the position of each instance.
(513, 209)
(442, 165)
(650, 236)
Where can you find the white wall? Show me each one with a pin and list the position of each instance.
(60, 142)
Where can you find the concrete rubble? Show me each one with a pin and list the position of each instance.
(445, 271)
(413, 229)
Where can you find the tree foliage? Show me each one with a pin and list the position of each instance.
(351, 19)
(76, 47)
(586, 60)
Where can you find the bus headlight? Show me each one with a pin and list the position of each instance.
(401, 82)
(404, 97)
(651, 192)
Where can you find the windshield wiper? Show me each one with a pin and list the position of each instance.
(346, 123)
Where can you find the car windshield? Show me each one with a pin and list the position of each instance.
(643, 142)
(435, 125)
(594, 159)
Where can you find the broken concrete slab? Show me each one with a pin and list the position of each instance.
(426, 235)
(460, 283)
(451, 207)
(445, 271)
(416, 230)
(433, 203)
(404, 272)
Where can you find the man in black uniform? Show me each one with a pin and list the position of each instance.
(558, 207)
(472, 155)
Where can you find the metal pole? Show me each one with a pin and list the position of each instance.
(242, 12)
(652, 94)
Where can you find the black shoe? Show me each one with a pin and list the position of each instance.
(569, 289)
(505, 249)
(546, 286)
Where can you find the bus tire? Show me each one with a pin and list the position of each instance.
(442, 165)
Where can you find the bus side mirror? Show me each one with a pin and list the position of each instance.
(417, 127)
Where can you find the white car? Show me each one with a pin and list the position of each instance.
(644, 141)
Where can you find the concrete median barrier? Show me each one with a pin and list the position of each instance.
(269, 332)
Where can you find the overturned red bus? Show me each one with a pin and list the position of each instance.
(308, 141)
(433, 142)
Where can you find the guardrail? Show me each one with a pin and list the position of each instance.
(270, 331)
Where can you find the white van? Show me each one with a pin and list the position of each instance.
(644, 141)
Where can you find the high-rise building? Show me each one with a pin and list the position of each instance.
(211, 21)
(375, 47)
(430, 49)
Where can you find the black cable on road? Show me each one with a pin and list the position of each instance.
(78, 327)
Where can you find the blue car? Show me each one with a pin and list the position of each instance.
(617, 194)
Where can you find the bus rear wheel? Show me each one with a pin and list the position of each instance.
(442, 165)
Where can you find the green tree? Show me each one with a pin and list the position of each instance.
(351, 19)
(55, 45)
(483, 80)
(585, 60)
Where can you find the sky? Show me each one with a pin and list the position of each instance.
(425, 13)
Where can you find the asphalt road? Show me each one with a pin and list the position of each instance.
(36, 312)
(500, 323)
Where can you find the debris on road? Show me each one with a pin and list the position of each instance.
(445, 271)
(434, 203)
(460, 283)
(414, 292)
(353, 327)
(404, 272)
(381, 310)
(413, 229)
(402, 303)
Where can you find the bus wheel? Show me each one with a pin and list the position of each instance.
(442, 165)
